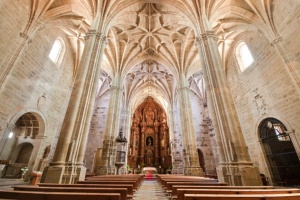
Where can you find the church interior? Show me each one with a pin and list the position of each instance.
(206, 88)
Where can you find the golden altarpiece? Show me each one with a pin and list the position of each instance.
(149, 139)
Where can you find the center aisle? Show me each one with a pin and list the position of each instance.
(150, 190)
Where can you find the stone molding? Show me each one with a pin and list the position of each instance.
(24, 35)
(276, 41)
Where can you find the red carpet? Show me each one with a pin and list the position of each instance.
(149, 176)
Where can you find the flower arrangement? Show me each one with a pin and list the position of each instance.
(24, 170)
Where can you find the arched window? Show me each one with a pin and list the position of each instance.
(243, 56)
(57, 51)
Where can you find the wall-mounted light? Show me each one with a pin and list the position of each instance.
(11, 134)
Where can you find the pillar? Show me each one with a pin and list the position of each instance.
(190, 155)
(67, 165)
(235, 166)
(108, 157)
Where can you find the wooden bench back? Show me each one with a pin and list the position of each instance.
(294, 196)
(127, 186)
(182, 192)
(26, 195)
(164, 182)
(176, 187)
(134, 183)
(170, 184)
(122, 191)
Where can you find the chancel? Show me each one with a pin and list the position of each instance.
(202, 90)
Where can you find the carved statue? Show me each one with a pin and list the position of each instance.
(149, 141)
(47, 151)
(121, 138)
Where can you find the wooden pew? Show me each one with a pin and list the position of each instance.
(134, 183)
(182, 192)
(121, 191)
(127, 186)
(30, 195)
(294, 196)
(170, 184)
(162, 180)
(137, 179)
(176, 187)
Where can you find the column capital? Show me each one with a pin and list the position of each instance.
(205, 36)
(209, 34)
(115, 88)
(276, 41)
(184, 88)
(93, 32)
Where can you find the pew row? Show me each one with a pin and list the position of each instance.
(121, 191)
(127, 186)
(176, 187)
(30, 195)
(182, 192)
(293, 196)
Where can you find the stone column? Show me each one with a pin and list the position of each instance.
(76, 124)
(87, 123)
(107, 164)
(235, 166)
(190, 155)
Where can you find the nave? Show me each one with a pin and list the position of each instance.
(150, 190)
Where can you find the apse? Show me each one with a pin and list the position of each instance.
(149, 139)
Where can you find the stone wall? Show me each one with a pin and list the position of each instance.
(33, 75)
(203, 139)
(97, 129)
(267, 77)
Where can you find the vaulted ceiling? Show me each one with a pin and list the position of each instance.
(151, 42)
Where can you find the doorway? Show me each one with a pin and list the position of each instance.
(280, 153)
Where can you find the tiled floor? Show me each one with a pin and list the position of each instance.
(150, 190)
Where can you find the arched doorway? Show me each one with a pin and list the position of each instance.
(201, 159)
(149, 140)
(280, 153)
(21, 147)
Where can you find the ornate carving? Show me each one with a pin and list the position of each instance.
(209, 34)
(91, 33)
(197, 42)
(41, 101)
(276, 41)
(260, 102)
(150, 136)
